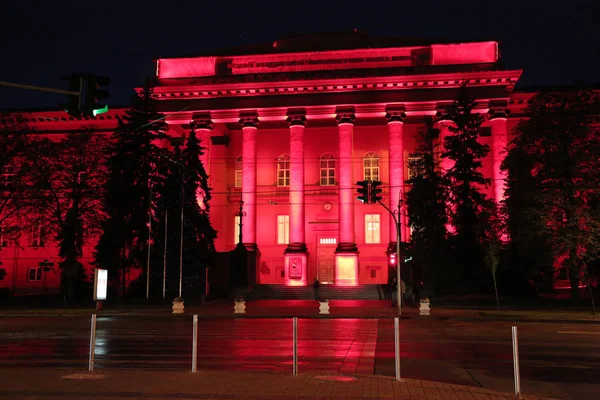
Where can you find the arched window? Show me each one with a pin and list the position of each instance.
(283, 170)
(238, 172)
(327, 170)
(371, 166)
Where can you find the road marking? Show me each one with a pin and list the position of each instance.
(580, 333)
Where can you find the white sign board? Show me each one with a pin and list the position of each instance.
(100, 284)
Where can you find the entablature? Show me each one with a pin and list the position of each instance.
(505, 78)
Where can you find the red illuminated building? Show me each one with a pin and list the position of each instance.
(289, 132)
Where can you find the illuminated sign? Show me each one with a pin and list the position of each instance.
(100, 284)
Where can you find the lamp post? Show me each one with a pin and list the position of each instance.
(397, 221)
(241, 213)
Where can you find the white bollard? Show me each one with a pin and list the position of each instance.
(195, 344)
(515, 344)
(397, 346)
(92, 343)
(295, 339)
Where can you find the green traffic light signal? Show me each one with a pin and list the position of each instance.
(94, 93)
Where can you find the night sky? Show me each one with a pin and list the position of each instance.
(555, 42)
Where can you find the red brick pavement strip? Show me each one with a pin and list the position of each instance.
(68, 384)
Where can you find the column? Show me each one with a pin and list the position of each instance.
(346, 259)
(249, 128)
(296, 252)
(443, 124)
(499, 142)
(203, 126)
(395, 121)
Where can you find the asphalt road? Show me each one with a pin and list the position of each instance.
(555, 360)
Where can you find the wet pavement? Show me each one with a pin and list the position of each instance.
(556, 360)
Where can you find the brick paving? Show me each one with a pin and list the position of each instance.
(52, 384)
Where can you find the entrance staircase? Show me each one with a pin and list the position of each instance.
(330, 292)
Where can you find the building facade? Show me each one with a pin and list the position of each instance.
(288, 133)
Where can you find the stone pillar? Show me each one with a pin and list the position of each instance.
(443, 124)
(346, 251)
(499, 142)
(249, 127)
(296, 252)
(395, 121)
(203, 126)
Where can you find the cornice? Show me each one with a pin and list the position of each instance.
(405, 82)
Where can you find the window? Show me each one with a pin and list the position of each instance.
(236, 230)
(238, 172)
(35, 274)
(82, 178)
(4, 234)
(35, 236)
(283, 170)
(371, 166)
(327, 170)
(283, 229)
(6, 178)
(372, 228)
(327, 241)
(416, 165)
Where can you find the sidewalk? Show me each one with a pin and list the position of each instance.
(310, 309)
(18, 384)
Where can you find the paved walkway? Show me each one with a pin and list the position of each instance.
(54, 384)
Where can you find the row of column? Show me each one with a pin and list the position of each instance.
(345, 120)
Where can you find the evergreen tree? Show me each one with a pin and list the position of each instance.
(426, 206)
(529, 254)
(132, 167)
(467, 201)
(199, 235)
(561, 139)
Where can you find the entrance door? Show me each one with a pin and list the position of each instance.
(326, 260)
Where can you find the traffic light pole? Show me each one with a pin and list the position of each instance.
(398, 262)
(39, 88)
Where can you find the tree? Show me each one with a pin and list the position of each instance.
(13, 146)
(467, 201)
(561, 139)
(530, 256)
(199, 235)
(66, 185)
(426, 205)
(132, 171)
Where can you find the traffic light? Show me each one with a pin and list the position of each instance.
(75, 84)
(363, 191)
(94, 93)
(375, 191)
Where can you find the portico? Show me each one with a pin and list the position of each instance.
(302, 133)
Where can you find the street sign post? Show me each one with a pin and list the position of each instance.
(100, 286)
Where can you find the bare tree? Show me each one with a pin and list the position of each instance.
(13, 143)
(64, 198)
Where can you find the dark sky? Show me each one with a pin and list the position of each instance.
(555, 42)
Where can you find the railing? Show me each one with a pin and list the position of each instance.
(310, 345)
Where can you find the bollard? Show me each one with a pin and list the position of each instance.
(295, 338)
(397, 346)
(195, 344)
(92, 343)
(515, 344)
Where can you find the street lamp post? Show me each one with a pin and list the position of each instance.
(241, 213)
(181, 233)
(398, 222)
